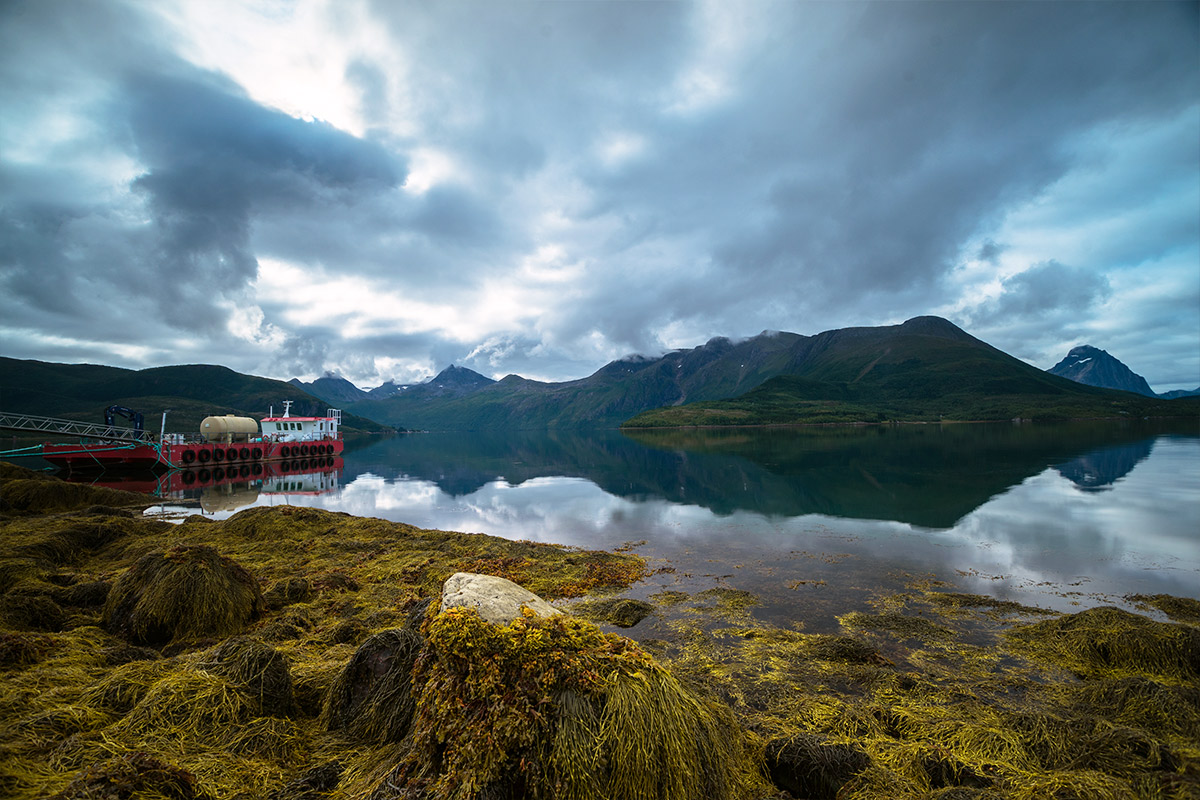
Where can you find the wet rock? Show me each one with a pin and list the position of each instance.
(498, 600)
(372, 699)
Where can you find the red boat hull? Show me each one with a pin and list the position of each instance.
(300, 456)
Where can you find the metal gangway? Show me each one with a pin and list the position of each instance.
(70, 427)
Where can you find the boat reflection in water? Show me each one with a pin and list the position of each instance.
(231, 488)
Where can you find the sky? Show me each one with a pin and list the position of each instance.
(379, 189)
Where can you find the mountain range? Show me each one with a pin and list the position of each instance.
(924, 369)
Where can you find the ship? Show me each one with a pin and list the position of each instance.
(226, 442)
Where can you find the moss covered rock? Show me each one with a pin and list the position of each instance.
(497, 600)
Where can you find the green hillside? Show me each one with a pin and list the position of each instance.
(190, 392)
(924, 370)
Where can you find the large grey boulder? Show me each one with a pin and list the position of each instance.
(498, 600)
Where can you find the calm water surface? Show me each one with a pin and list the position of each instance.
(816, 522)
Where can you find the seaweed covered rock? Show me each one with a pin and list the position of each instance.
(846, 649)
(133, 775)
(807, 766)
(87, 594)
(124, 653)
(188, 591)
(26, 610)
(554, 707)
(1109, 642)
(372, 700)
(316, 784)
(1179, 609)
(41, 494)
(621, 611)
(287, 592)
(259, 669)
(498, 600)
(23, 648)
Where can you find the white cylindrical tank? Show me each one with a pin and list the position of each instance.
(228, 428)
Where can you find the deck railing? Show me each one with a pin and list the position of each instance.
(70, 427)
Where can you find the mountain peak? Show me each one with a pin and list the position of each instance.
(460, 376)
(934, 326)
(1095, 367)
(332, 388)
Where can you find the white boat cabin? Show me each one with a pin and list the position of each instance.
(301, 429)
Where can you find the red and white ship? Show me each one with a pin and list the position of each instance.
(224, 441)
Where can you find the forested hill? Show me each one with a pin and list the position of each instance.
(190, 392)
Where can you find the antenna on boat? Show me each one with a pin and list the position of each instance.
(287, 408)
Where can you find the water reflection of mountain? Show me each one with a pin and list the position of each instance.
(1100, 469)
(927, 475)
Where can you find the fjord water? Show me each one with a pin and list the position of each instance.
(820, 521)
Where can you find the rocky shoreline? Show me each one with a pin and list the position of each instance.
(293, 653)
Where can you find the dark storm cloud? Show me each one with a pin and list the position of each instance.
(917, 124)
(700, 168)
(215, 160)
(1045, 289)
(989, 251)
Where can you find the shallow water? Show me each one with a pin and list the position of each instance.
(816, 522)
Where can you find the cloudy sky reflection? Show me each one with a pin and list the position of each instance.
(1044, 541)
